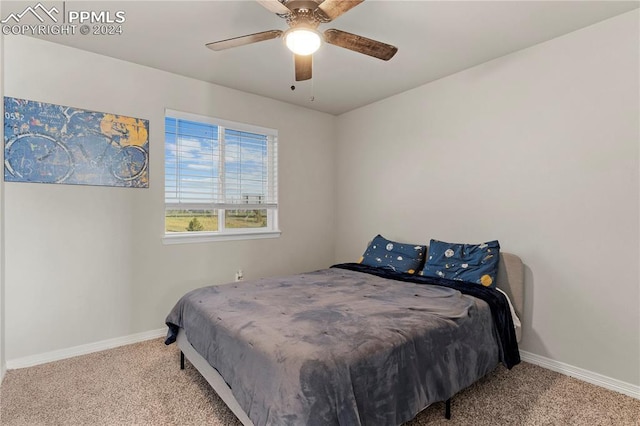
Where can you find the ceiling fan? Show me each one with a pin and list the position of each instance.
(302, 37)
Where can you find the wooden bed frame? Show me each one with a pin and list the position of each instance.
(510, 279)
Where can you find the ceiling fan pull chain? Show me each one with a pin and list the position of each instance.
(312, 97)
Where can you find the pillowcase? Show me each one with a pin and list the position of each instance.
(472, 263)
(383, 253)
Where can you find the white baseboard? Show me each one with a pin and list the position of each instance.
(550, 364)
(582, 374)
(30, 361)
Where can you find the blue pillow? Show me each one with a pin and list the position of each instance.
(398, 257)
(472, 263)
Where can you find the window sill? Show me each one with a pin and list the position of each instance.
(205, 237)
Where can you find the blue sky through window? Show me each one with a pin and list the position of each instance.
(193, 153)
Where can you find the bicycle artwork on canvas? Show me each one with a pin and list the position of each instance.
(48, 143)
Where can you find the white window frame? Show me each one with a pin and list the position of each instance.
(227, 234)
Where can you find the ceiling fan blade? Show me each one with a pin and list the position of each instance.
(304, 66)
(274, 6)
(360, 44)
(334, 8)
(242, 40)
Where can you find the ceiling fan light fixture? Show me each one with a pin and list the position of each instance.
(302, 41)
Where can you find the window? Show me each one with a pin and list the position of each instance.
(220, 179)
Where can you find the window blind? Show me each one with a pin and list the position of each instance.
(214, 164)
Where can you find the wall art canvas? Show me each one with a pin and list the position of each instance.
(48, 143)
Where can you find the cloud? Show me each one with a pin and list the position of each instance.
(195, 166)
(236, 152)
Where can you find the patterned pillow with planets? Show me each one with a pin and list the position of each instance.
(398, 257)
(472, 263)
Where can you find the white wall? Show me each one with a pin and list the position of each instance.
(85, 264)
(538, 149)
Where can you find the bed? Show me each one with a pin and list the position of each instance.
(347, 345)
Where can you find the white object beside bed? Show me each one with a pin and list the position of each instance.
(517, 325)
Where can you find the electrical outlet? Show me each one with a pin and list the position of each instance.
(239, 275)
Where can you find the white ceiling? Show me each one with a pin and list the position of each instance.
(434, 38)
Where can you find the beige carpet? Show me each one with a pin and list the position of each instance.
(142, 384)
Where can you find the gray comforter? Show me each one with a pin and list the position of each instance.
(338, 347)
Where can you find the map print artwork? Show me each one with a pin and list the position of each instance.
(48, 143)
